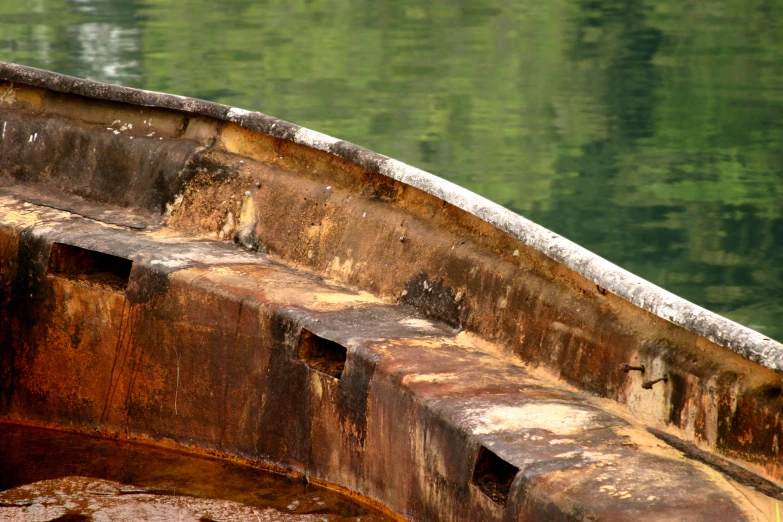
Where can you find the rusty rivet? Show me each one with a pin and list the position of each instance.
(627, 368)
(258, 184)
(647, 385)
(402, 239)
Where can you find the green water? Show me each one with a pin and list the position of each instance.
(649, 132)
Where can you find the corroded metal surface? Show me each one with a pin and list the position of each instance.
(268, 294)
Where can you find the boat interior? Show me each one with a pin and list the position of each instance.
(193, 276)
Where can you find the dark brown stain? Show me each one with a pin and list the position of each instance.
(284, 428)
(679, 397)
(92, 163)
(29, 306)
(146, 283)
(381, 190)
(354, 391)
(434, 299)
(737, 473)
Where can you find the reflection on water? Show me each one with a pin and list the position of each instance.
(47, 472)
(649, 132)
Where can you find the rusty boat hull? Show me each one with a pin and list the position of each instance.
(188, 274)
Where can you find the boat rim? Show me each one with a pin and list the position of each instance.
(722, 331)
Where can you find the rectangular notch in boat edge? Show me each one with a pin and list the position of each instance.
(89, 267)
(493, 475)
(321, 354)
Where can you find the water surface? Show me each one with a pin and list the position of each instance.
(648, 132)
(50, 471)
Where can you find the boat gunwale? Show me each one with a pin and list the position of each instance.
(720, 330)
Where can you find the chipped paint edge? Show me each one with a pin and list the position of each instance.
(722, 331)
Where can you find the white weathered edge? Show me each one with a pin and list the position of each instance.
(642, 293)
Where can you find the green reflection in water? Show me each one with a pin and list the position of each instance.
(649, 132)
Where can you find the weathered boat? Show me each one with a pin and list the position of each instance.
(190, 274)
